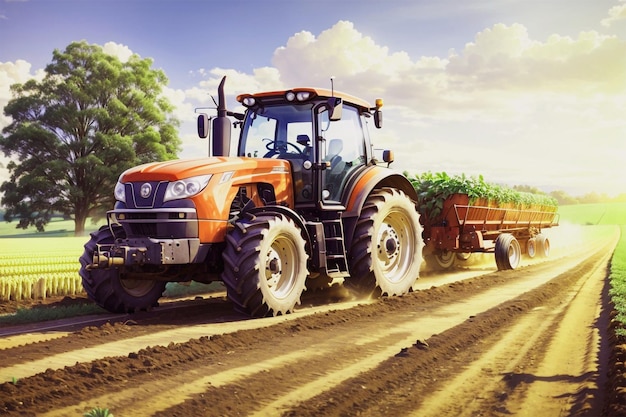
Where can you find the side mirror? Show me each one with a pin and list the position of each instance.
(203, 126)
(388, 156)
(335, 107)
(378, 119)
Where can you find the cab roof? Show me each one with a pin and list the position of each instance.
(315, 93)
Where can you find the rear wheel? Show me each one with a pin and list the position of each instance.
(265, 265)
(507, 251)
(109, 288)
(386, 252)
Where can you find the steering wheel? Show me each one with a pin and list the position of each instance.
(283, 148)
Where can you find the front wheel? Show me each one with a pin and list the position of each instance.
(265, 265)
(386, 251)
(109, 288)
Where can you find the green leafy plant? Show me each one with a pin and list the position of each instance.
(14, 380)
(98, 412)
(618, 283)
(434, 188)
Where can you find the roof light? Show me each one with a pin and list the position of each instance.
(248, 101)
(379, 103)
(290, 96)
(303, 95)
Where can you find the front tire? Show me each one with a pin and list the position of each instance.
(109, 289)
(386, 251)
(265, 265)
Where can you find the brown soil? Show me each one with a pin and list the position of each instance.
(536, 341)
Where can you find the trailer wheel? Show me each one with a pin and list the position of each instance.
(445, 259)
(508, 252)
(440, 260)
(543, 245)
(108, 288)
(386, 251)
(265, 265)
(531, 247)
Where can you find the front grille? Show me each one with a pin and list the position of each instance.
(165, 224)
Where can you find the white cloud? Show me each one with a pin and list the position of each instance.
(17, 72)
(122, 52)
(616, 14)
(514, 108)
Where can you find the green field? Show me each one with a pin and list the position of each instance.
(56, 228)
(594, 214)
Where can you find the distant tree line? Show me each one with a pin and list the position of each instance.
(565, 199)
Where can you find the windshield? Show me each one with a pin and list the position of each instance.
(273, 131)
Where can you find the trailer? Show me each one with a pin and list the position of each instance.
(458, 228)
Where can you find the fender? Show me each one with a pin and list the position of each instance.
(358, 189)
(285, 211)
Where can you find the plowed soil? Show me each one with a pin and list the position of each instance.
(536, 341)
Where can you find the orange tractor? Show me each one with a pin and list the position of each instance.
(305, 201)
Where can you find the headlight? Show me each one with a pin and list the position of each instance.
(186, 188)
(120, 192)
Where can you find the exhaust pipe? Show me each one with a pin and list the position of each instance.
(221, 125)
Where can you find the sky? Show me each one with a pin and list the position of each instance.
(523, 92)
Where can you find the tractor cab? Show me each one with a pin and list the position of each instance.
(323, 135)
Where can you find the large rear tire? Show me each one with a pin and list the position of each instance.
(386, 251)
(265, 265)
(110, 289)
(507, 251)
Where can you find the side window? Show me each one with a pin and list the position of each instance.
(345, 150)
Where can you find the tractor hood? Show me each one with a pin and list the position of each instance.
(186, 168)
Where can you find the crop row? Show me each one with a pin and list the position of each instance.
(25, 258)
(44, 268)
(39, 287)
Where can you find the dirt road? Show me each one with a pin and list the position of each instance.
(529, 342)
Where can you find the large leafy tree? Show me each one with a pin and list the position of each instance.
(74, 132)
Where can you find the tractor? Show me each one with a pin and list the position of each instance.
(303, 203)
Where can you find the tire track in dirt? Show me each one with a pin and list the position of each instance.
(400, 384)
(540, 365)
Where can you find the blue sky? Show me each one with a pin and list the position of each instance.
(520, 91)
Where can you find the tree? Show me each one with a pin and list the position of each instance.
(563, 198)
(73, 133)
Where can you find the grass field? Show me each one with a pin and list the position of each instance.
(594, 214)
(56, 228)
